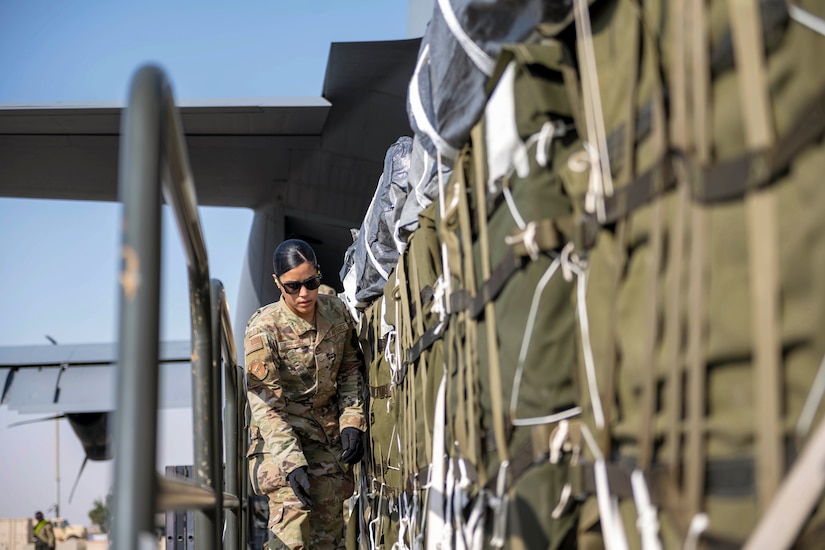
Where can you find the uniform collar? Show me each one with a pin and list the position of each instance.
(298, 325)
(322, 319)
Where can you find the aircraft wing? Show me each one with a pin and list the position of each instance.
(237, 148)
(314, 160)
(245, 152)
(81, 378)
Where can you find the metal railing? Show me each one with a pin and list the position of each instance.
(153, 154)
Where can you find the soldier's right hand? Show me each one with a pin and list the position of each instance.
(299, 482)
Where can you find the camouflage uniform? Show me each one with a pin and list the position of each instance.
(326, 289)
(304, 386)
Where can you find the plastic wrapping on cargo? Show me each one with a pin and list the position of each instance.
(374, 252)
(423, 190)
(447, 92)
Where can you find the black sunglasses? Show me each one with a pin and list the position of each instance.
(293, 287)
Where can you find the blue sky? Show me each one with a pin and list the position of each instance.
(58, 266)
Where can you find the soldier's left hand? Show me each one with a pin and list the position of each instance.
(352, 441)
(299, 482)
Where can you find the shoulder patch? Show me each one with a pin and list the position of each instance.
(257, 370)
(253, 344)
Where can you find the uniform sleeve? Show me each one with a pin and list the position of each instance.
(266, 401)
(49, 535)
(351, 384)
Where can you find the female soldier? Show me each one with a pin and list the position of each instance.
(303, 372)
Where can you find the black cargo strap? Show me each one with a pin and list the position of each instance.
(522, 460)
(729, 478)
(427, 339)
(549, 234)
(381, 496)
(489, 290)
(774, 16)
(640, 191)
(726, 180)
(381, 392)
(757, 169)
(724, 477)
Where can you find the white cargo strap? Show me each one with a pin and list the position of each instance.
(435, 486)
(812, 402)
(400, 543)
(420, 115)
(391, 354)
(647, 521)
(397, 360)
(416, 531)
(610, 519)
(558, 439)
(374, 261)
(446, 276)
(449, 508)
(522, 356)
(806, 18)
(698, 525)
(544, 138)
(394, 439)
(596, 135)
(407, 527)
(478, 56)
(798, 496)
(594, 198)
(527, 237)
(373, 530)
(499, 504)
(465, 532)
(389, 349)
(514, 212)
(474, 528)
(439, 306)
(570, 266)
(375, 525)
(403, 525)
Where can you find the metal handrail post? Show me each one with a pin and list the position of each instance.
(216, 302)
(245, 481)
(243, 427)
(179, 191)
(135, 431)
(223, 333)
(153, 150)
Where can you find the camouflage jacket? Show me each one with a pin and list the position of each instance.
(303, 382)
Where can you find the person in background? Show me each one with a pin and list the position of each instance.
(43, 533)
(326, 289)
(305, 391)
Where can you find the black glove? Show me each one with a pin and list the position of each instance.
(299, 482)
(351, 440)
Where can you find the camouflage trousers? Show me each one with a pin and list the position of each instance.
(290, 524)
(321, 527)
